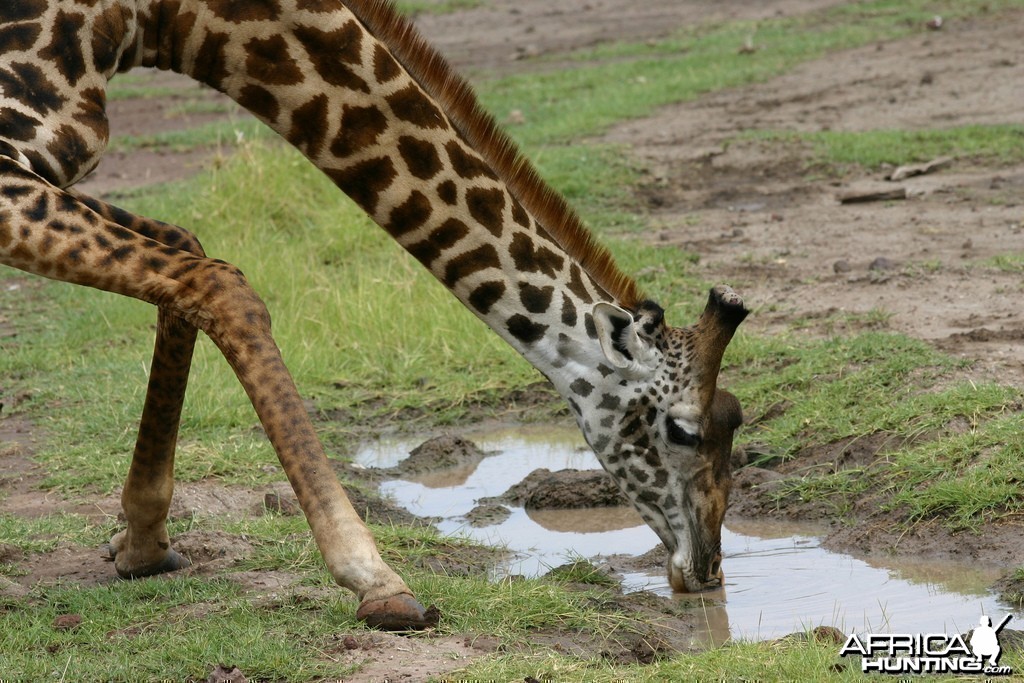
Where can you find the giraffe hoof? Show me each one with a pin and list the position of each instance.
(172, 561)
(400, 612)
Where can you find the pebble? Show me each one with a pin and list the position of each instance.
(882, 263)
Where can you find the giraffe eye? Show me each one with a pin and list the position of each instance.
(678, 435)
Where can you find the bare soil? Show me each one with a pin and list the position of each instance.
(759, 215)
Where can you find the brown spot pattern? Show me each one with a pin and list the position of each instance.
(260, 102)
(487, 207)
(364, 182)
(470, 262)
(269, 61)
(486, 295)
(91, 112)
(410, 215)
(16, 125)
(525, 330)
(240, 12)
(385, 67)
(360, 127)
(69, 149)
(467, 164)
(106, 37)
(448, 192)
(210, 63)
(535, 299)
(411, 105)
(333, 53)
(420, 157)
(443, 237)
(65, 48)
(309, 125)
(18, 37)
(22, 10)
(29, 85)
(531, 258)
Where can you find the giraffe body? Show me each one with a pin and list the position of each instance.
(377, 110)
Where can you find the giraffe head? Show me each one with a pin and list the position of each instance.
(661, 427)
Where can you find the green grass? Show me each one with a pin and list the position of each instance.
(43, 534)
(768, 662)
(630, 79)
(1009, 262)
(414, 7)
(167, 630)
(964, 479)
(213, 134)
(885, 384)
(876, 148)
(854, 386)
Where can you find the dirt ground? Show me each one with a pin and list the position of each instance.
(784, 241)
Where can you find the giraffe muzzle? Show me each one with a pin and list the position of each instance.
(684, 578)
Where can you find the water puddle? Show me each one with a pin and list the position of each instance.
(778, 578)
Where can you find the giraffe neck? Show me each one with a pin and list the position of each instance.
(383, 116)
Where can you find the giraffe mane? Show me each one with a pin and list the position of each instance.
(478, 127)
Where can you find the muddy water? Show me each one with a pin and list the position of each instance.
(778, 578)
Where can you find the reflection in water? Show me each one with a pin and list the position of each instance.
(588, 520)
(778, 578)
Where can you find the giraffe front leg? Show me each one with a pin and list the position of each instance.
(143, 548)
(241, 329)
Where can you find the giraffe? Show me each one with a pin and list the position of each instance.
(358, 91)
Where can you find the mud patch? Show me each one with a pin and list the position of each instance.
(68, 563)
(764, 218)
(566, 489)
(212, 552)
(385, 656)
(437, 460)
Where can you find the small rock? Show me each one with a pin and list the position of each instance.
(882, 263)
(820, 634)
(487, 515)
(67, 622)
(350, 643)
(440, 453)
(738, 458)
(969, 244)
(224, 674)
(828, 634)
(546, 490)
(483, 643)
(842, 266)
(757, 478)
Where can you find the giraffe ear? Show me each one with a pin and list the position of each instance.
(622, 346)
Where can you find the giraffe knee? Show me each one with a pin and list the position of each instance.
(231, 305)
